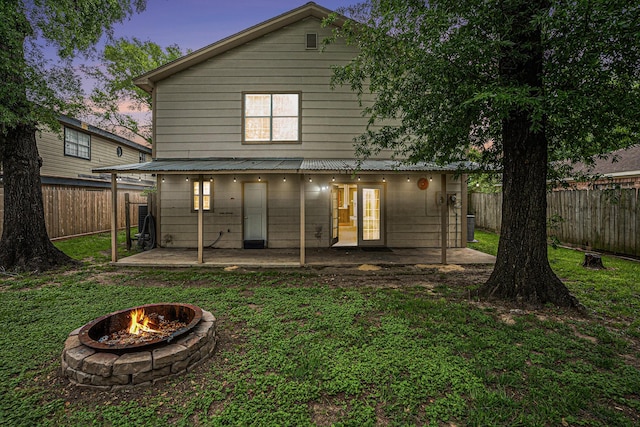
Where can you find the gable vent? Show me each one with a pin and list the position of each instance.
(312, 41)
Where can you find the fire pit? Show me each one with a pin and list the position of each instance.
(139, 346)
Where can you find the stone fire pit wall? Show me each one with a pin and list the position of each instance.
(88, 367)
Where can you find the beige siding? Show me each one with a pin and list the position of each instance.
(412, 215)
(103, 153)
(199, 110)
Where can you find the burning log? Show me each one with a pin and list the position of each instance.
(143, 328)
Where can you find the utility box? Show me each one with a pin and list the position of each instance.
(143, 210)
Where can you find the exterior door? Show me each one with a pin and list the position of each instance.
(255, 214)
(335, 215)
(371, 215)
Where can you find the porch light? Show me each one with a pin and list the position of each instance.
(358, 178)
(163, 179)
(187, 179)
(430, 179)
(259, 179)
(408, 179)
(234, 179)
(310, 180)
(284, 179)
(384, 179)
(210, 179)
(333, 179)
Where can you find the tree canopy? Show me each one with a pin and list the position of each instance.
(30, 29)
(33, 93)
(521, 82)
(116, 103)
(434, 67)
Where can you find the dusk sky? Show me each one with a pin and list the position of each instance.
(192, 24)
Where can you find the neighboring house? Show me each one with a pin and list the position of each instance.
(69, 158)
(620, 170)
(254, 149)
(77, 200)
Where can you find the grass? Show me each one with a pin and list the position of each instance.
(296, 350)
(611, 293)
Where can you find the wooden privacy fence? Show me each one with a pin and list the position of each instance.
(606, 220)
(71, 211)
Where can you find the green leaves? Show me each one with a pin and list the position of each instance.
(35, 89)
(117, 104)
(434, 69)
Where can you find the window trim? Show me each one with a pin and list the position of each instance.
(314, 37)
(193, 194)
(271, 141)
(66, 129)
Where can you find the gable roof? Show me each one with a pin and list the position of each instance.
(627, 163)
(311, 9)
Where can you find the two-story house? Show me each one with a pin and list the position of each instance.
(253, 148)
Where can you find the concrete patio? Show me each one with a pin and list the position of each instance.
(343, 256)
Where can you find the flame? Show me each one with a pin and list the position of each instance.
(139, 322)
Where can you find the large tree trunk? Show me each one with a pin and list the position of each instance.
(25, 244)
(522, 272)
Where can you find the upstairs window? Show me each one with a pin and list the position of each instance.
(77, 144)
(271, 117)
(206, 195)
(142, 157)
(311, 41)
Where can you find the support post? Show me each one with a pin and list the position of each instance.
(444, 217)
(127, 220)
(201, 219)
(464, 211)
(302, 223)
(114, 217)
(154, 208)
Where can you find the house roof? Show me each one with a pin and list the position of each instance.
(291, 165)
(627, 163)
(311, 9)
(69, 121)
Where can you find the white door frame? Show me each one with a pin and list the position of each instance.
(381, 241)
(254, 197)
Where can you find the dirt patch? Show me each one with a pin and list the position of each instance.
(448, 268)
(369, 267)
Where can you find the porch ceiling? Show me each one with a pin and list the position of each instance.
(291, 165)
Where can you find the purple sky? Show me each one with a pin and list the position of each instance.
(192, 24)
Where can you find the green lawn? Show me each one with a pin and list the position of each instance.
(296, 349)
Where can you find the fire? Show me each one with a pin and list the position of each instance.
(140, 322)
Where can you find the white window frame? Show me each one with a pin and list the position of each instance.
(75, 142)
(271, 140)
(207, 194)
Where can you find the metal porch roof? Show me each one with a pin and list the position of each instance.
(292, 165)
